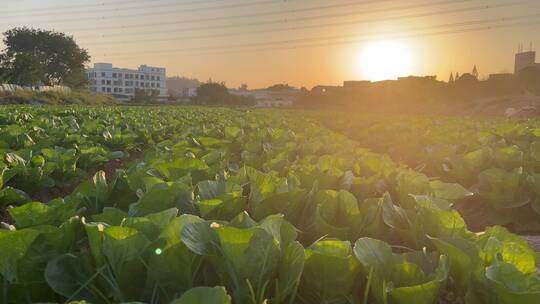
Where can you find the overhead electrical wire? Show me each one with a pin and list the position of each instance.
(345, 42)
(172, 10)
(347, 36)
(296, 19)
(74, 6)
(291, 28)
(105, 5)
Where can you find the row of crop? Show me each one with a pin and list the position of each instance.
(498, 160)
(46, 147)
(268, 213)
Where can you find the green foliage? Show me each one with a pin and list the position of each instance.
(78, 97)
(260, 203)
(492, 162)
(204, 295)
(213, 93)
(35, 56)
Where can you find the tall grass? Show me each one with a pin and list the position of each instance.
(81, 97)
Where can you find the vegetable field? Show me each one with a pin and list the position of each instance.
(496, 159)
(209, 205)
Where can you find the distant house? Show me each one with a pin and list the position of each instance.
(325, 89)
(273, 97)
(182, 88)
(525, 60)
(501, 77)
(356, 84)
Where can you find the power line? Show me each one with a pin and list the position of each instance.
(335, 15)
(311, 39)
(335, 43)
(252, 15)
(298, 19)
(170, 11)
(448, 32)
(291, 28)
(85, 7)
(65, 7)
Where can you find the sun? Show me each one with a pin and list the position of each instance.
(384, 60)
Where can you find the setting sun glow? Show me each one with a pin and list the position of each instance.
(384, 60)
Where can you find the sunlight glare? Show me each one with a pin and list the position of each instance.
(384, 60)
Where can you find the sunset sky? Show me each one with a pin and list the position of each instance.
(299, 42)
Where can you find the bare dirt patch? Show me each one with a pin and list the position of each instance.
(47, 194)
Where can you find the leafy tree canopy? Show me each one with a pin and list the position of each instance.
(35, 56)
(218, 94)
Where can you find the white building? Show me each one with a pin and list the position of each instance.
(122, 83)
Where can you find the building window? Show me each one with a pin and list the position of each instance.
(102, 74)
(114, 75)
(108, 90)
(153, 85)
(103, 89)
(153, 78)
(158, 78)
(158, 85)
(108, 82)
(120, 90)
(103, 81)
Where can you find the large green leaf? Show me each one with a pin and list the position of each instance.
(466, 259)
(502, 189)
(375, 254)
(290, 271)
(14, 245)
(512, 286)
(35, 213)
(330, 273)
(122, 244)
(67, 277)
(204, 295)
(160, 197)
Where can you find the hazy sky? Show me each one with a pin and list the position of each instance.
(300, 42)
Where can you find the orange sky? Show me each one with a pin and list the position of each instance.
(300, 42)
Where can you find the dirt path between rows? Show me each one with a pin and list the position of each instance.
(534, 241)
(109, 168)
(48, 194)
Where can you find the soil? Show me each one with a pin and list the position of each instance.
(516, 106)
(47, 194)
(5, 217)
(534, 241)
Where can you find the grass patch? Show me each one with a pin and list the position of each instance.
(81, 97)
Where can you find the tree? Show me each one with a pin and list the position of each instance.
(145, 96)
(24, 70)
(216, 93)
(279, 87)
(35, 56)
(475, 72)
